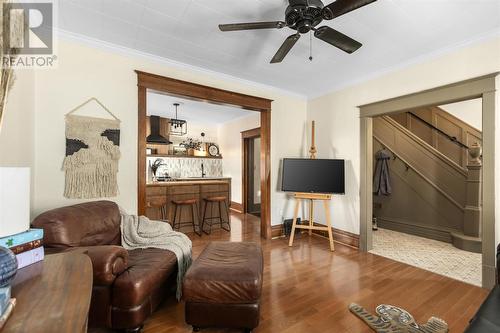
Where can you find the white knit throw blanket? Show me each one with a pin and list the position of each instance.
(139, 232)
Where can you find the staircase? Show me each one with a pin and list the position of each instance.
(436, 182)
(441, 130)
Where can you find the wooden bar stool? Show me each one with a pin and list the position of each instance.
(179, 204)
(209, 220)
(161, 209)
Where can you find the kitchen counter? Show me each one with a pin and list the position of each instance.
(192, 181)
(160, 196)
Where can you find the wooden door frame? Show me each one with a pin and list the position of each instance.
(485, 87)
(249, 134)
(200, 92)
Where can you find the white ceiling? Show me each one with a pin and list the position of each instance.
(192, 111)
(393, 32)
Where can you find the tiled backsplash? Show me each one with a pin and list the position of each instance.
(183, 167)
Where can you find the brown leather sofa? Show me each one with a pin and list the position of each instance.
(128, 285)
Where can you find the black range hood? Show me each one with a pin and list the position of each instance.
(155, 136)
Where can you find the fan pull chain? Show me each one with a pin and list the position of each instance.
(310, 46)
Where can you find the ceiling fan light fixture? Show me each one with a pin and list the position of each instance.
(304, 16)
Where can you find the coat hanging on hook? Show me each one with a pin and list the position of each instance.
(381, 176)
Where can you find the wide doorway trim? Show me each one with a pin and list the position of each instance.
(174, 87)
(485, 87)
(245, 136)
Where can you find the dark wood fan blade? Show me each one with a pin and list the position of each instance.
(337, 39)
(252, 26)
(341, 7)
(285, 48)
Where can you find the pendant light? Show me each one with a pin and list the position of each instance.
(178, 126)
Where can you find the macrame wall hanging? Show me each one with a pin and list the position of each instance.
(92, 154)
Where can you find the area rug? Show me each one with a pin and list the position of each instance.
(391, 319)
(422, 253)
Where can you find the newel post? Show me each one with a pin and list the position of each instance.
(472, 214)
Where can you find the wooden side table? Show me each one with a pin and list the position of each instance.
(52, 295)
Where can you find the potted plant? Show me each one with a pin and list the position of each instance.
(191, 145)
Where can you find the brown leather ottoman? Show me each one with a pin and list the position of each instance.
(223, 286)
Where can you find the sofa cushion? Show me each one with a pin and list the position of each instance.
(225, 273)
(87, 224)
(147, 270)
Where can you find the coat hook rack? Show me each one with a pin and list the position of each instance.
(394, 157)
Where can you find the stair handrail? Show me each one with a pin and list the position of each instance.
(449, 137)
(421, 142)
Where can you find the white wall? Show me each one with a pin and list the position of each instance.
(194, 130)
(337, 114)
(85, 71)
(230, 146)
(470, 112)
(17, 132)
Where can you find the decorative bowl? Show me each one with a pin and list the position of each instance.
(8, 266)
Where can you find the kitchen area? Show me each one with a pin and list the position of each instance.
(185, 166)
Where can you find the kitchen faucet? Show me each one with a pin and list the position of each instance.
(203, 174)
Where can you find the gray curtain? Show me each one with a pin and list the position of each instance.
(381, 176)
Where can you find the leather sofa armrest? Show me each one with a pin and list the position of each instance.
(108, 261)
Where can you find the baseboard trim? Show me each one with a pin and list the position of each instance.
(414, 229)
(277, 231)
(489, 274)
(467, 243)
(237, 207)
(339, 236)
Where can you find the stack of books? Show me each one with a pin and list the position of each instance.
(27, 246)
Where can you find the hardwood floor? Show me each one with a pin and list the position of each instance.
(307, 288)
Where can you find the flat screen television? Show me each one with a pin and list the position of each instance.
(313, 176)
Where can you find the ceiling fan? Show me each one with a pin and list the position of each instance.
(303, 16)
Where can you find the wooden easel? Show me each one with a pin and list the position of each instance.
(299, 197)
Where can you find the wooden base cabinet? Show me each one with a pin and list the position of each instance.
(163, 194)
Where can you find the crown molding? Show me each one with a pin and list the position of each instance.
(122, 50)
(482, 38)
(99, 44)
